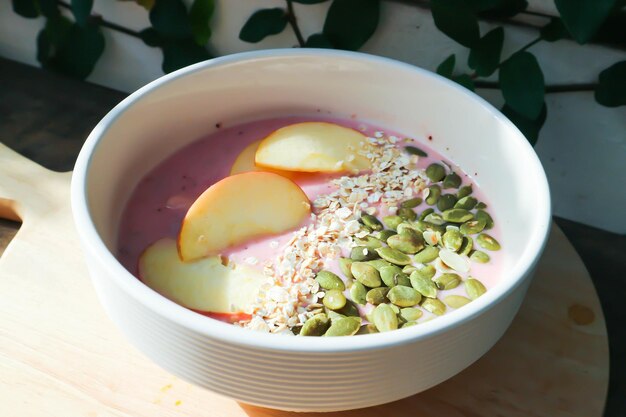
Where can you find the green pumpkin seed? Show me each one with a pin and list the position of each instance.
(334, 299)
(358, 292)
(404, 227)
(369, 242)
(426, 255)
(480, 205)
(411, 203)
(435, 219)
(464, 191)
(383, 235)
(394, 256)
(480, 257)
(315, 326)
(412, 150)
(483, 215)
(488, 242)
(423, 285)
(403, 279)
(362, 253)
(446, 201)
(371, 221)
(467, 203)
(435, 172)
(395, 308)
(427, 271)
(425, 225)
(474, 288)
(457, 215)
(456, 301)
(466, 246)
(393, 221)
(367, 329)
(406, 242)
(376, 296)
(447, 281)
(410, 313)
(366, 274)
(407, 269)
(344, 267)
(434, 192)
(389, 275)
(407, 214)
(408, 324)
(349, 310)
(334, 316)
(426, 213)
(404, 296)
(346, 326)
(473, 226)
(452, 239)
(385, 318)
(329, 281)
(434, 306)
(452, 180)
(378, 263)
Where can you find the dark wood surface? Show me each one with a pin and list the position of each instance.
(46, 117)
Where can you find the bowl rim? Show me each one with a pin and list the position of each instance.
(181, 316)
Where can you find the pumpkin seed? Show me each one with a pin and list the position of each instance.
(452, 239)
(452, 180)
(480, 257)
(482, 214)
(411, 203)
(434, 192)
(407, 214)
(395, 308)
(446, 201)
(454, 260)
(408, 324)
(434, 218)
(383, 235)
(423, 225)
(346, 326)
(464, 191)
(394, 256)
(456, 215)
(426, 255)
(427, 271)
(403, 279)
(344, 266)
(405, 226)
(434, 306)
(376, 296)
(404, 296)
(488, 242)
(410, 313)
(358, 292)
(349, 310)
(426, 213)
(389, 273)
(385, 318)
(446, 281)
(369, 242)
(474, 288)
(406, 242)
(467, 203)
(473, 226)
(407, 269)
(423, 285)
(466, 246)
(367, 329)
(456, 301)
(315, 326)
(334, 299)
(435, 172)
(412, 150)
(362, 253)
(481, 205)
(431, 237)
(371, 221)
(378, 263)
(393, 221)
(329, 281)
(366, 274)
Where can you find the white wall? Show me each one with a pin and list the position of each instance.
(582, 145)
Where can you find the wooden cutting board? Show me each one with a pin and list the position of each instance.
(61, 356)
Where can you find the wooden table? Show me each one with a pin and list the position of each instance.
(46, 118)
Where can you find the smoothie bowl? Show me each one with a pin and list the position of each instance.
(285, 226)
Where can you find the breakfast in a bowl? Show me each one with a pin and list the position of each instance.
(311, 227)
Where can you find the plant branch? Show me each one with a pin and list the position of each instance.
(293, 22)
(557, 88)
(104, 23)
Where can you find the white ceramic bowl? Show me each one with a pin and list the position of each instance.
(294, 373)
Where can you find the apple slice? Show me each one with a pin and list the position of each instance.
(245, 162)
(239, 208)
(313, 147)
(205, 285)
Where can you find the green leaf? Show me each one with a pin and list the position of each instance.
(180, 53)
(350, 23)
(529, 127)
(484, 57)
(169, 18)
(446, 68)
(146, 4)
(79, 52)
(263, 23)
(26, 8)
(522, 84)
(309, 1)
(613, 30)
(456, 19)
(318, 40)
(503, 9)
(464, 80)
(57, 30)
(49, 8)
(151, 37)
(554, 30)
(611, 90)
(583, 18)
(82, 10)
(199, 16)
